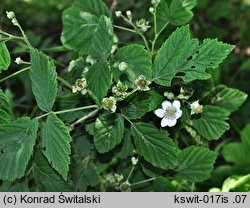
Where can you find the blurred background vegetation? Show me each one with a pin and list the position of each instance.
(227, 20)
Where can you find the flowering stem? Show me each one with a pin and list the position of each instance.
(137, 31)
(157, 35)
(124, 28)
(14, 74)
(130, 173)
(68, 111)
(144, 181)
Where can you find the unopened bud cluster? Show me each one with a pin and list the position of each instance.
(11, 15)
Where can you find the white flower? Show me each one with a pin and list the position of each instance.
(109, 103)
(169, 113)
(18, 60)
(118, 13)
(196, 108)
(142, 83)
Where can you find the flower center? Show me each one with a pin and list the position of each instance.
(170, 112)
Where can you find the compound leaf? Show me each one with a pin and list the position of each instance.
(56, 142)
(17, 140)
(154, 145)
(195, 164)
(211, 124)
(183, 57)
(44, 80)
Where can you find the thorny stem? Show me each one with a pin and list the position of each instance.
(68, 111)
(144, 181)
(84, 118)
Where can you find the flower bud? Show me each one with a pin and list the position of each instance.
(142, 83)
(155, 2)
(151, 10)
(14, 22)
(134, 161)
(10, 15)
(118, 178)
(118, 13)
(125, 187)
(169, 95)
(123, 66)
(18, 60)
(196, 108)
(129, 14)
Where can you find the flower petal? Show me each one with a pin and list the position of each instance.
(178, 113)
(160, 113)
(168, 122)
(177, 104)
(166, 104)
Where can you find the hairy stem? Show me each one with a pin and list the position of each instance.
(14, 74)
(144, 181)
(68, 111)
(84, 118)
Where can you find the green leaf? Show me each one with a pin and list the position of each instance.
(19, 185)
(82, 147)
(227, 98)
(238, 152)
(80, 22)
(44, 80)
(162, 184)
(154, 145)
(211, 124)
(183, 57)
(127, 146)
(99, 80)
(97, 7)
(17, 140)
(138, 61)
(84, 175)
(109, 131)
(4, 57)
(179, 12)
(102, 41)
(47, 179)
(137, 106)
(5, 109)
(56, 142)
(195, 164)
(237, 184)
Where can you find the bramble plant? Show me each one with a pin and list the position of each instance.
(121, 116)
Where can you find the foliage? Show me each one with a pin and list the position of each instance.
(83, 116)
